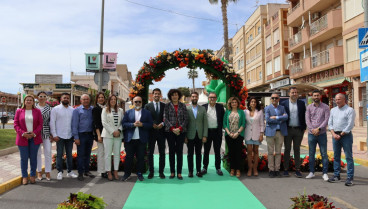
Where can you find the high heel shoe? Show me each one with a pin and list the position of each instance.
(255, 171)
(249, 172)
(39, 176)
(109, 176)
(25, 180)
(48, 177)
(116, 176)
(32, 179)
(232, 171)
(238, 173)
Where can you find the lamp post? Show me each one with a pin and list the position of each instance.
(101, 47)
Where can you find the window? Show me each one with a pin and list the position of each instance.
(276, 36)
(241, 43)
(251, 37)
(259, 73)
(237, 50)
(258, 50)
(248, 77)
(277, 64)
(352, 49)
(259, 30)
(352, 8)
(269, 68)
(268, 42)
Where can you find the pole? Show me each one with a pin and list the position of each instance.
(365, 7)
(101, 47)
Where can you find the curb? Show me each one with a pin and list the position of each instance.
(8, 151)
(362, 162)
(12, 183)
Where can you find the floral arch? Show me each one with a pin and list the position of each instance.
(214, 67)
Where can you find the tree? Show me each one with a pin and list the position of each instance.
(193, 74)
(185, 91)
(224, 4)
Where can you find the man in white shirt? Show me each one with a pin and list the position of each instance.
(60, 125)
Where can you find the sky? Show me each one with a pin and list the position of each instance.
(52, 37)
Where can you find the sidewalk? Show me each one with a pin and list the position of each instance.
(359, 134)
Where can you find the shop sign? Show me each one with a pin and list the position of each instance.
(280, 83)
(324, 75)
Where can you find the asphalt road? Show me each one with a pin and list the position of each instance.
(274, 193)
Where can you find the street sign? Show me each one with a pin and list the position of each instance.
(92, 62)
(105, 78)
(109, 61)
(363, 37)
(3, 99)
(364, 65)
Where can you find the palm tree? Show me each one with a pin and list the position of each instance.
(224, 4)
(193, 74)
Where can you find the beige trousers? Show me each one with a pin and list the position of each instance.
(274, 145)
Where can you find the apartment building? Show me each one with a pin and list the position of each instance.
(221, 53)
(316, 47)
(352, 19)
(119, 83)
(239, 52)
(276, 35)
(255, 48)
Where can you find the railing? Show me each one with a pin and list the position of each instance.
(320, 58)
(318, 25)
(275, 16)
(294, 8)
(297, 67)
(296, 39)
(254, 58)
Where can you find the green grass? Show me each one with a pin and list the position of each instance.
(7, 138)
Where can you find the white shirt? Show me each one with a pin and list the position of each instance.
(29, 120)
(211, 116)
(137, 118)
(61, 121)
(293, 117)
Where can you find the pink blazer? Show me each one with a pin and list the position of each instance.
(253, 131)
(20, 126)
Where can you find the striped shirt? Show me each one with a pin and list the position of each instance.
(317, 117)
(116, 117)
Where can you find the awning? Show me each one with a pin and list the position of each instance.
(331, 82)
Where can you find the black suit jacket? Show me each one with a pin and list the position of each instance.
(220, 112)
(97, 123)
(157, 119)
(301, 112)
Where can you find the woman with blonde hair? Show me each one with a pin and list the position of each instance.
(28, 124)
(234, 124)
(112, 128)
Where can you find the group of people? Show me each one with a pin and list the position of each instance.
(194, 125)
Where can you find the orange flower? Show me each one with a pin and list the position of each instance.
(182, 64)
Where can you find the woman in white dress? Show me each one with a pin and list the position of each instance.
(253, 133)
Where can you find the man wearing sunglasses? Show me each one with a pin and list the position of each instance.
(276, 130)
(137, 124)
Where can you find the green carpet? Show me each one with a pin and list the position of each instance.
(211, 191)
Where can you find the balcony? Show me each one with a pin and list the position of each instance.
(295, 14)
(295, 39)
(318, 5)
(324, 60)
(326, 27)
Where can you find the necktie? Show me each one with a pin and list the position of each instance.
(156, 108)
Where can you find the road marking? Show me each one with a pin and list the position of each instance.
(348, 205)
(89, 185)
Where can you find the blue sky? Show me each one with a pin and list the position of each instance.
(51, 37)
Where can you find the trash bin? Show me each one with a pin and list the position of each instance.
(4, 119)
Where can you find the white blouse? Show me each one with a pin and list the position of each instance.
(29, 120)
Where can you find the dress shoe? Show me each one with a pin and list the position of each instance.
(219, 172)
(238, 173)
(162, 175)
(32, 179)
(124, 178)
(277, 174)
(104, 175)
(180, 177)
(140, 177)
(150, 176)
(80, 177)
(190, 175)
(25, 180)
(199, 174)
(172, 176)
(204, 171)
(271, 174)
(89, 174)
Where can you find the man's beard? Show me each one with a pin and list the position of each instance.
(194, 102)
(65, 102)
(137, 107)
(317, 100)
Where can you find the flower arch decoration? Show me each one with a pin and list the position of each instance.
(214, 67)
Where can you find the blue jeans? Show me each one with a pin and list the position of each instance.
(30, 152)
(321, 140)
(84, 152)
(68, 145)
(345, 142)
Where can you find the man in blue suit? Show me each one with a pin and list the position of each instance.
(276, 130)
(295, 108)
(137, 124)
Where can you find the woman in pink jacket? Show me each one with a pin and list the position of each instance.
(253, 133)
(28, 125)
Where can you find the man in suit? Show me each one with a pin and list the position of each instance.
(157, 133)
(276, 130)
(197, 133)
(137, 124)
(215, 118)
(295, 109)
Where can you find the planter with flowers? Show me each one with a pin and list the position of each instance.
(82, 201)
(311, 201)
